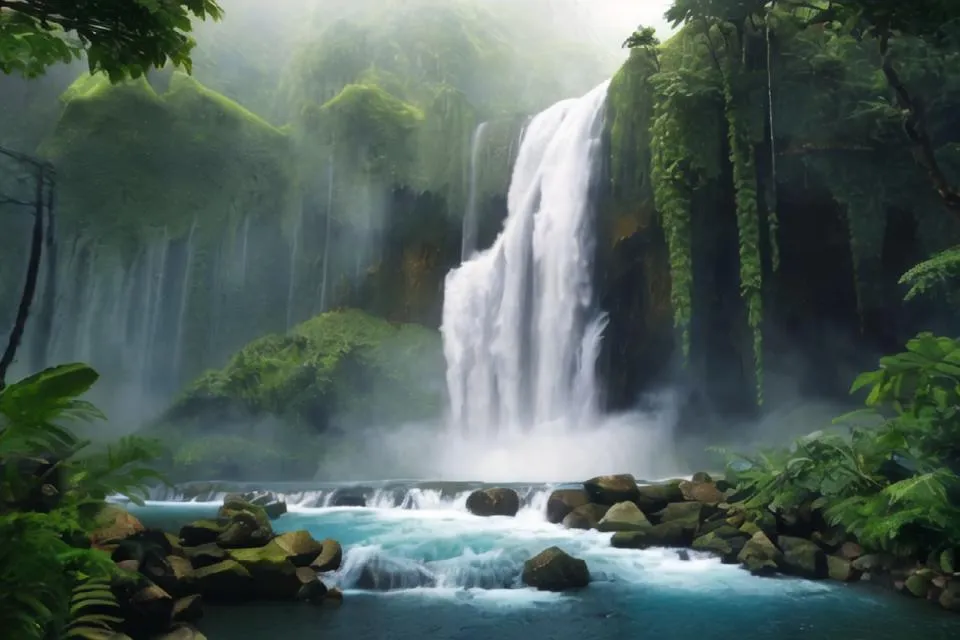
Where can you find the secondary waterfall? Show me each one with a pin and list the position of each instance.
(521, 331)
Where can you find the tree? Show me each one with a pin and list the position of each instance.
(883, 20)
(122, 38)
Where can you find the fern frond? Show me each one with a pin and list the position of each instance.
(935, 271)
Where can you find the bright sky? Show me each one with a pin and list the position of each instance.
(632, 12)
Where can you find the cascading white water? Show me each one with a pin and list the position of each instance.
(468, 243)
(520, 328)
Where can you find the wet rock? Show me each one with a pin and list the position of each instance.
(272, 504)
(330, 557)
(759, 555)
(187, 609)
(333, 599)
(380, 573)
(274, 576)
(300, 547)
(555, 570)
(226, 582)
(200, 532)
(146, 612)
(181, 632)
(609, 490)
(311, 590)
(244, 532)
(726, 542)
(667, 534)
(802, 558)
(563, 501)
(918, 584)
(343, 499)
(654, 497)
(624, 516)
(173, 576)
(587, 516)
(493, 502)
(204, 555)
(689, 513)
(841, 569)
(702, 492)
(950, 596)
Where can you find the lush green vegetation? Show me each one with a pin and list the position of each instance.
(52, 490)
(120, 38)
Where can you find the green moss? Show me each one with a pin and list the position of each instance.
(343, 366)
(188, 154)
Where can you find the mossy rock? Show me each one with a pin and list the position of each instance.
(274, 575)
(918, 584)
(562, 501)
(555, 570)
(226, 581)
(842, 570)
(609, 490)
(300, 547)
(624, 516)
(667, 534)
(330, 557)
(727, 547)
(950, 596)
(654, 497)
(112, 524)
(760, 556)
(493, 502)
(200, 532)
(802, 557)
(204, 555)
(587, 516)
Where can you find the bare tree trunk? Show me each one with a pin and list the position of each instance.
(29, 286)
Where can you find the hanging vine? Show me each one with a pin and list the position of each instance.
(748, 227)
(773, 222)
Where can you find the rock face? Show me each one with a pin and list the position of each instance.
(493, 502)
(609, 490)
(624, 516)
(563, 501)
(555, 570)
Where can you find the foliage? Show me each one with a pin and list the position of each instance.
(891, 480)
(940, 269)
(48, 583)
(122, 38)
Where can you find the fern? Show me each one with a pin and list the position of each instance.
(937, 271)
(87, 620)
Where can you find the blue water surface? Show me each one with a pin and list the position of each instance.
(634, 594)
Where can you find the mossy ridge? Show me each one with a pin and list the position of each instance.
(125, 148)
(335, 363)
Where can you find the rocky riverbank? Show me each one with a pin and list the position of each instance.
(702, 514)
(163, 579)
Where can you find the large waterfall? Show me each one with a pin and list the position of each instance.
(521, 330)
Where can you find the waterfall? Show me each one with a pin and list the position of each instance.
(469, 241)
(521, 331)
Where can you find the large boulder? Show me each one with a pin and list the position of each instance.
(273, 505)
(493, 502)
(300, 547)
(609, 490)
(802, 558)
(654, 497)
(555, 570)
(274, 575)
(690, 514)
(842, 569)
(703, 492)
(624, 516)
(245, 525)
(562, 501)
(224, 582)
(725, 541)
(666, 534)
(204, 555)
(759, 555)
(587, 516)
(200, 532)
(329, 558)
(146, 611)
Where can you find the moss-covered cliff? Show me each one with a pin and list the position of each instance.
(776, 199)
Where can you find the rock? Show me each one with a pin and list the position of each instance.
(330, 557)
(609, 490)
(333, 599)
(702, 492)
(204, 555)
(688, 515)
(244, 532)
(234, 506)
(701, 477)
(300, 547)
(871, 562)
(133, 566)
(227, 582)
(917, 585)
(348, 500)
(750, 528)
(654, 497)
(624, 516)
(187, 609)
(274, 576)
(176, 549)
(493, 502)
(146, 612)
(950, 597)
(736, 520)
(667, 534)
(181, 632)
(381, 573)
(948, 561)
(174, 577)
(555, 570)
(841, 569)
(273, 505)
(796, 523)
(112, 525)
(802, 558)
(829, 540)
(850, 551)
(587, 516)
(312, 590)
(728, 547)
(759, 555)
(765, 521)
(200, 532)
(563, 501)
